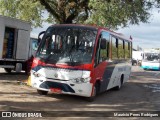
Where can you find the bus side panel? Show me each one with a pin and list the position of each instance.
(121, 69)
(109, 73)
(98, 72)
(103, 72)
(107, 76)
(152, 65)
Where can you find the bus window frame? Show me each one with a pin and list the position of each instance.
(112, 36)
(98, 48)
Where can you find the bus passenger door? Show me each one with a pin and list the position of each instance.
(102, 61)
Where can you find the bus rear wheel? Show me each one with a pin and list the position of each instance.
(120, 84)
(41, 92)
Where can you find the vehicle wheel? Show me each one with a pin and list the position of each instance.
(135, 64)
(95, 92)
(41, 92)
(92, 98)
(120, 84)
(8, 70)
(139, 63)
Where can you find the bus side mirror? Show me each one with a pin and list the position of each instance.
(103, 43)
(39, 36)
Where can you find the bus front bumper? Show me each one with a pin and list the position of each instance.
(62, 87)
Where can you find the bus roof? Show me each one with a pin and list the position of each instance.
(94, 27)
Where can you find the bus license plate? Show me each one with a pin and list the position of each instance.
(56, 90)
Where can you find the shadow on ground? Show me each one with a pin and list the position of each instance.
(133, 96)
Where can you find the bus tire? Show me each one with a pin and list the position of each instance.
(8, 70)
(120, 83)
(41, 92)
(95, 92)
(92, 98)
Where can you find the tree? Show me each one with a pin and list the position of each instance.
(108, 13)
(113, 13)
(23, 9)
(67, 11)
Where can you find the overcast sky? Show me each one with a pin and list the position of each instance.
(144, 35)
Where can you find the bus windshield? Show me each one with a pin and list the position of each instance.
(67, 45)
(152, 56)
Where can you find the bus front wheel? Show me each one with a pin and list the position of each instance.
(41, 92)
(95, 92)
(92, 98)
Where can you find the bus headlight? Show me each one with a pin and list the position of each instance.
(36, 74)
(81, 80)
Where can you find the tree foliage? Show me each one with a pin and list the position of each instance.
(108, 13)
(23, 9)
(113, 13)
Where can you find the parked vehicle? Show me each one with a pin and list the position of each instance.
(134, 62)
(81, 60)
(15, 49)
(137, 57)
(151, 61)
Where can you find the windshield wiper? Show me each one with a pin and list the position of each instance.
(70, 55)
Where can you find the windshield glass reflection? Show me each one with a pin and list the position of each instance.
(152, 56)
(67, 45)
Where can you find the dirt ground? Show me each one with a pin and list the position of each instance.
(140, 93)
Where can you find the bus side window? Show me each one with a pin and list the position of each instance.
(114, 48)
(127, 50)
(120, 49)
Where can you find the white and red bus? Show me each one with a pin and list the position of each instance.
(81, 60)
